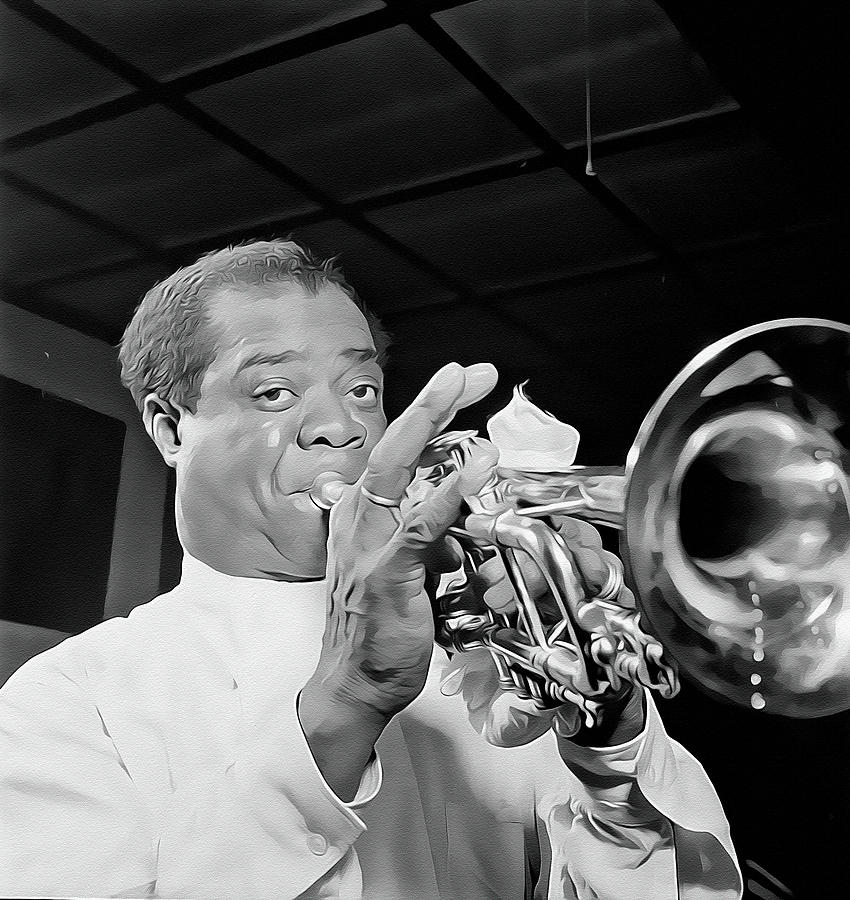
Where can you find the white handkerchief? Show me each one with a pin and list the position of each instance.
(530, 439)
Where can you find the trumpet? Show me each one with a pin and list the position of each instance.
(734, 513)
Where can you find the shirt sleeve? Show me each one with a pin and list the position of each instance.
(72, 821)
(370, 784)
(75, 824)
(640, 819)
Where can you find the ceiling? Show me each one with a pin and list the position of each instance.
(440, 149)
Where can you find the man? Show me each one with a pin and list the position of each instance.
(276, 725)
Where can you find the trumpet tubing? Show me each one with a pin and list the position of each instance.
(734, 510)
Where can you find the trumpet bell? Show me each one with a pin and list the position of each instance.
(737, 518)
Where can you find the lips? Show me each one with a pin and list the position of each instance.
(302, 472)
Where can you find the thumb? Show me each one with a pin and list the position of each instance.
(512, 722)
(502, 718)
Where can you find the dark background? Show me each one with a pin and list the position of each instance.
(439, 148)
(58, 484)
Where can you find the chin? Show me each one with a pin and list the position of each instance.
(309, 564)
(302, 541)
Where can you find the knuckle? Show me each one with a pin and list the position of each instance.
(567, 527)
(588, 536)
(609, 559)
(627, 598)
(419, 534)
(592, 567)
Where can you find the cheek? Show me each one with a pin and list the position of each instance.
(376, 425)
(229, 454)
(273, 435)
(231, 439)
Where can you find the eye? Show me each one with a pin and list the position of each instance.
(275, 397)
(364, 394)
(276, 393)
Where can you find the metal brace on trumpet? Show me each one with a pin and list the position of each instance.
(553, 643)
(734, 508)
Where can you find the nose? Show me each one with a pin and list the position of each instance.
(327, 423)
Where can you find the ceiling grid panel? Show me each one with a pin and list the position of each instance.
(78, 212)
(503, 100)
(606, 145)
(189, 111)
(290, 48)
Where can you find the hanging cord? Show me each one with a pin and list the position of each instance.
(588, 169)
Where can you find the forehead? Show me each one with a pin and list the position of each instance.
(285, 316)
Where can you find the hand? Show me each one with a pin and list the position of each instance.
(623, 713)
(379, 631)
(503, 718)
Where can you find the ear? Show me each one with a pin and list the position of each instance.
(162, 423)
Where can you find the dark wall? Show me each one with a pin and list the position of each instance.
(59, 475)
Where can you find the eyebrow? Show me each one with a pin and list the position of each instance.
(355, 354)
(259, 359)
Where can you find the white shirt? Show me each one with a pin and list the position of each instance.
(161, 754)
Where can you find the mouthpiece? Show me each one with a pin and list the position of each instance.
(327, 489)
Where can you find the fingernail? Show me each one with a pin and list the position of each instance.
(449, 372)
(450, 376)
(481, 377)
(452, 683)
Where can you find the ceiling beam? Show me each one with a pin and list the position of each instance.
(181, 106)
(454, 54)
(417, 17)
(820, 230)
(28, 297)
(683, 128)
(644, 263)
(553, 153)
(282, 51)
(75, 211)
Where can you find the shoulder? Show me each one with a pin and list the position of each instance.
(81, 659)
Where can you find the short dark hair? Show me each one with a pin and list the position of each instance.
(168, 345)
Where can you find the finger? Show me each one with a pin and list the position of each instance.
(393, 461)
(595, 569)
(489, 581)
(585, 545)
(499, 593)
(481, 378)
(577, 532)
(590, 561)
(473, 675)
(430, 518)
(502, 718)
(512, 722)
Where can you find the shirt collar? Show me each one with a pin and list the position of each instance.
(268, 632)
(205, 581)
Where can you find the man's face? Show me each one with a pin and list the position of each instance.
(293, 393)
